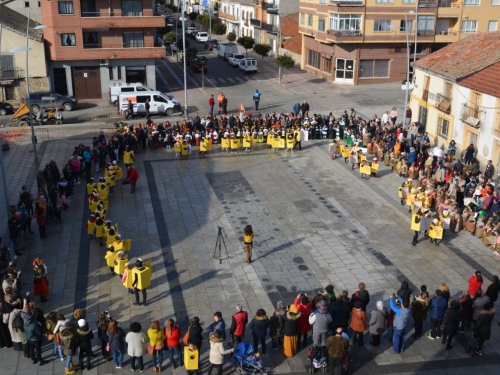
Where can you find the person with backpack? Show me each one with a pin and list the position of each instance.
(17, 334)
(69, 348)
(320, 321)
(360, 295)
(34, 335)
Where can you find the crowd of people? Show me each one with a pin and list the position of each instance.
(438, 181)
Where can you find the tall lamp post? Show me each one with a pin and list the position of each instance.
(184, 58)
(27, 49)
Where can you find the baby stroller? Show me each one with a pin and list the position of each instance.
(317, 358)
(246, 361)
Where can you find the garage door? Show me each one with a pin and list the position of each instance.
(87, 83)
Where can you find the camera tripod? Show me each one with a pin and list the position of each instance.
(220, 241)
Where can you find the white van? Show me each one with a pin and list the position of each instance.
(117, 88)
(159, 103)
(225, 49)
(201, 37)
(248, 65)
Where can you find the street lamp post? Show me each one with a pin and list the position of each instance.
(28, 102)
(184, 59)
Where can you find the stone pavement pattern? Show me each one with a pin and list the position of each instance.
(316, 222)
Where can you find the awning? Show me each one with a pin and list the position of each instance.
(447, 16)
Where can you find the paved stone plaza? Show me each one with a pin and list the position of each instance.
(315, 221)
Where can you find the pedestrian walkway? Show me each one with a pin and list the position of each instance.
(315, 221)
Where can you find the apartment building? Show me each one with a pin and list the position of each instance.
(236, 15)
(93, 44)
(457, 95)
(365, 41)
(13, 65)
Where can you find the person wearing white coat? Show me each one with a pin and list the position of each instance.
(136, 341)
(217, 352)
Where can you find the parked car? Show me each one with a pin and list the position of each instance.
(225, 49)
(6, 109)
(211, 44)
(201, 37)
(189, 30)
(197, 63)
(234, 59)
(51, 99)
(192, 34)
(248, 65)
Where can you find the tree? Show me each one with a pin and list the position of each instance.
(284, 62)
(219, 28)
(263, 50)
(203, 19)
(171, 37)
(231, 37)
(192, 16)
(192, 51)
(179, 44)
(246, 42)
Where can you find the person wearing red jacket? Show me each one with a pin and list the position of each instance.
(475, 283)
(238, 322)
(173, 337)
(304, 306)
(132, 176)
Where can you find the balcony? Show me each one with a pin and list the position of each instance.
(446, 37)
(443, 103)
(12, 73)
(344, 36)
(227, 16)
(255, 22)
(428, 4)
(448, 4)
(109, 20)
(270, 8)
(270, 28)
(425, 32)
(471, 116)
(347, 3)
(121, 51)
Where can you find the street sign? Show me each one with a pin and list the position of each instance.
(204, 3)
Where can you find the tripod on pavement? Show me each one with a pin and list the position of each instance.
(220, 241)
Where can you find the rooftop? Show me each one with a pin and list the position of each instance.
(463, 58)
(16, 22)
(486, 81)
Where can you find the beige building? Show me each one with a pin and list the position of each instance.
(457, 95)
(13, 65)
(365, 41)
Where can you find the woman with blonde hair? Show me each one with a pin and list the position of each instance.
(173, 337)
(445, 292)
(155, 335)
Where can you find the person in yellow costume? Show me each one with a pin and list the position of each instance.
(110, 258)
(118, 243)
(139, 284)
(435, 232)
(364, 169)
(128, 156)
(110, 179)
(445, 219)
(99, 231)
(410, 198)
(103, 189)
(110, 235)
(419, 222)
(118, 170)
(225, 142)
(120, 263)
(191, 359)
(235, 144)
(91, 226)
(91, 185)
(374, 167)
(247, 141)
(290, 142)
(177, 147)
(248, 243)
(128, 279)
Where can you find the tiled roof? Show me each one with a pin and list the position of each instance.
(16, 22)
(486, 81)
(463, 58)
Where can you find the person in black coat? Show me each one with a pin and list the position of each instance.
(84, 336)
(451, 323)
(493, 289)
(259, 326)
(360, 295)
(340, 313)
(405, 293)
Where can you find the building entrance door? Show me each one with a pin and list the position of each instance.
(87, 83)
(344, 70)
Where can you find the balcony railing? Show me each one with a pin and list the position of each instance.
(119, 45)
(119, 13)
(425, 32)
(347, 3)
(227, 16)
(344, 32)
(270, 8)
(471, 115)
(443, 103)
(448, 4)
(273, 29)
(428, 4)
(255, 22)
(12, 73)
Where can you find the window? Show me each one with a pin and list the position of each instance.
(471, 2)
(382, 25)
(374, 69)
(345, 22)
(132, 8)
(90, 39)
(309, 20)
(313, 59)
(133, 39)
(492, 25)
(158, 98)
(116, 74)
(68, 40)
(495, 2)
(406, 26)
(143, 98)
(384, 1)
(65, 7)
(327, 64)
(443, 127)
(321, 25)
(322, 1)
(408, 1)
(301, 18)
(469, 26)
(425, 23)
